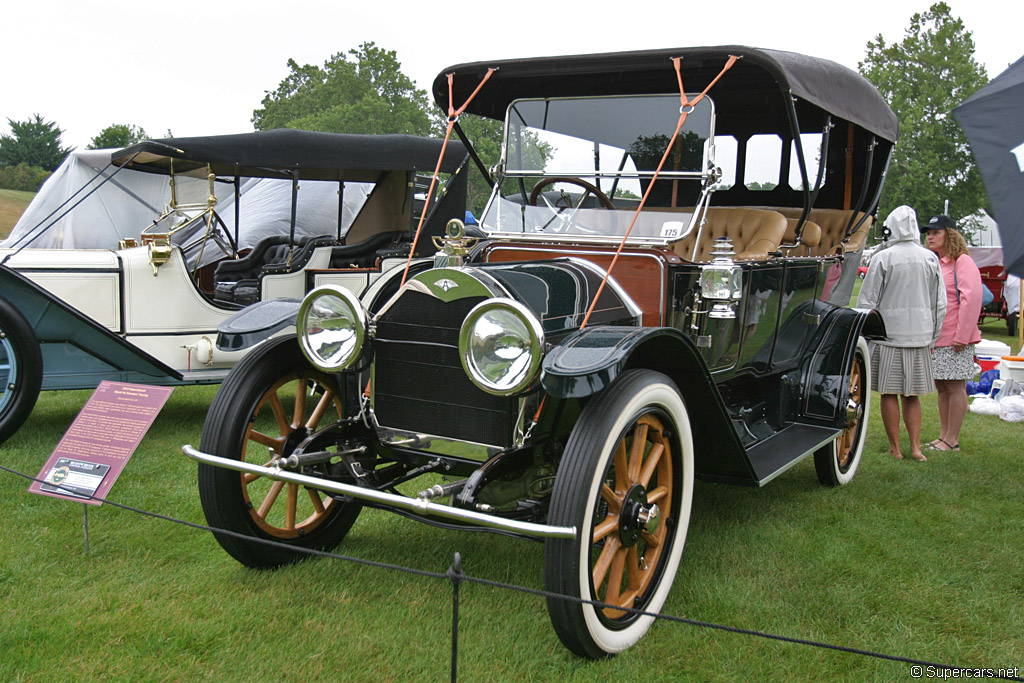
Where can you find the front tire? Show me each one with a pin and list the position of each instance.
(21, 369)
(630, 456)
(837, 461)
(268, 403)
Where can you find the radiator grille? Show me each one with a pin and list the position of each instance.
(419, 383)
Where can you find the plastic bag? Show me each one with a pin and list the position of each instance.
(983, 405)
(1011, 408)
(1011, 387)
(984, 383)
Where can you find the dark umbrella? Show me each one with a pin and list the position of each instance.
(993, 119)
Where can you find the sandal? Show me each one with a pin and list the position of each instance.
(934, 446)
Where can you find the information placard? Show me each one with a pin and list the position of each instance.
(98, 444)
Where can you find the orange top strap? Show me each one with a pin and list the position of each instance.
(453, 116)
(685, 107)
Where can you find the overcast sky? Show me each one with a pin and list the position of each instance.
(200, 67)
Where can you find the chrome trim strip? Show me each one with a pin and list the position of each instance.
(631, 306)
(415, 505)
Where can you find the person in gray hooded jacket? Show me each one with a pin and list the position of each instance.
(904, 283)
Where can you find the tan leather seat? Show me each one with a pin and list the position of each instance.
(755, 234)
(832, 227)
(810, 237)
(833, 224)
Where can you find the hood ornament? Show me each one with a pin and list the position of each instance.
(454, 246)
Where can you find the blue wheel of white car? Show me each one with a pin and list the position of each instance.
(21, 369)
(626, 483)
(837, 461)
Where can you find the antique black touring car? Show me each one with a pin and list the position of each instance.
(656, 291)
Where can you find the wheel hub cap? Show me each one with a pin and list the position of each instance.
(636, 515)
(854, 411)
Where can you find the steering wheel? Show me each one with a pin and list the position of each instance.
(222, 237)
(565, 221)
(590, 190)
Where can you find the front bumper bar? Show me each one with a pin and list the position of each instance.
(415, 505)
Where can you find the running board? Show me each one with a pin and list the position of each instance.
(415, 505)
(774, 455)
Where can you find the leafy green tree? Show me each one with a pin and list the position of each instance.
(366, 94)
(22, 177)
(364, 91)
(34, 142)
(485, 136)
(923, 78)
(117, 135)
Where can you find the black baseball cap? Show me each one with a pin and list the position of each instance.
(938, 223)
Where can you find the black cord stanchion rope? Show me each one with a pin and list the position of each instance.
(456, 576)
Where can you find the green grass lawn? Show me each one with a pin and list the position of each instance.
(12, 204)
(919, 560)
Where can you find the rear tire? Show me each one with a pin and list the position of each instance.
(606, 486)
(268, 403)
(21, 369)
(837, 461)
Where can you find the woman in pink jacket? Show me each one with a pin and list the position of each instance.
(953, 355)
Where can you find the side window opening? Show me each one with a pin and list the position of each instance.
(811, 145)
(763, 162)
(726, 157)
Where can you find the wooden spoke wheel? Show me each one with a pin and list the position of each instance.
(625, 482)
(271, 403)
(627, 542)
(286, 414)
(836, 462)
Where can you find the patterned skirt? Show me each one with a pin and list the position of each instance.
(949, 364)
(901, 370)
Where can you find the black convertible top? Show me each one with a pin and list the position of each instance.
(276, 153)
(760, 75)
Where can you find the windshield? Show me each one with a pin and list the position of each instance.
(579, 166)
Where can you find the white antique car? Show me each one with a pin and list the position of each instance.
(85, 299)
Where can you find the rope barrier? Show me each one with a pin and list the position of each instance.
(457, 577)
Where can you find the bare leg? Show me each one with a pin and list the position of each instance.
(956, 411)
(891, 421)
(942, 386)
(912, 418)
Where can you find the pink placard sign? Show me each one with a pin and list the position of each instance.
(98, 444)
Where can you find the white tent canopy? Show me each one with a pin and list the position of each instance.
(102, 213)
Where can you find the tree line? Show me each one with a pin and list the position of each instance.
(923, 77)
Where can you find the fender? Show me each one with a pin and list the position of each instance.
(825, 372)
(588, 361)
(55, 323)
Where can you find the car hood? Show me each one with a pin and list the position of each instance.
(559, 292)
